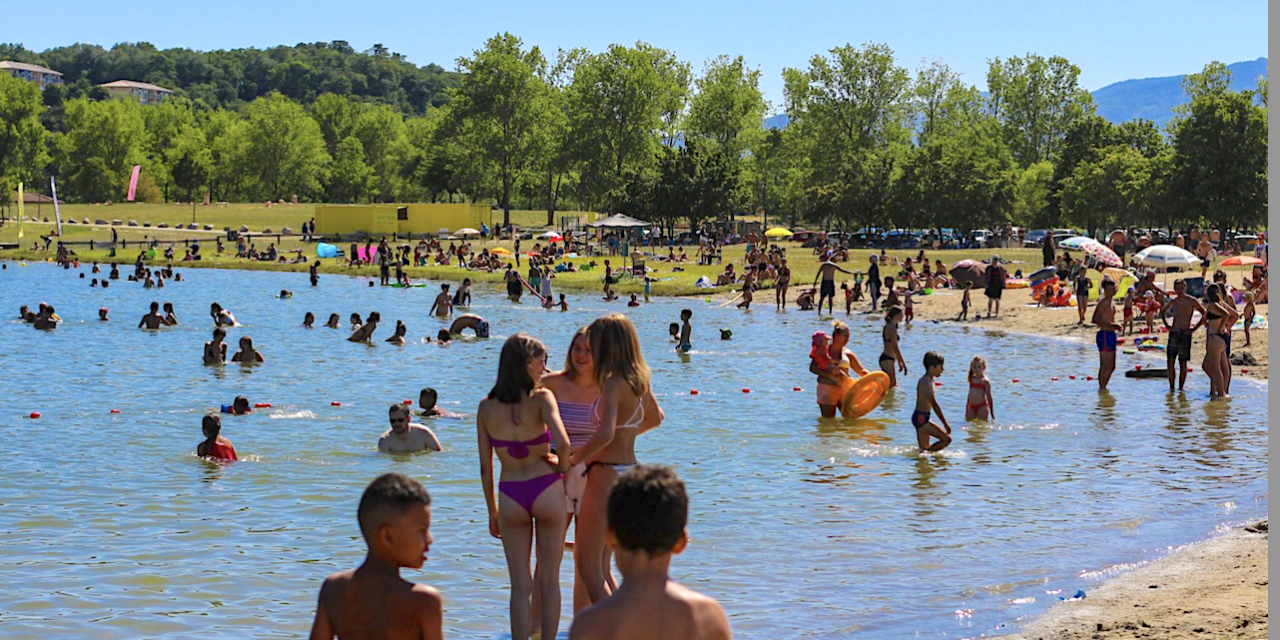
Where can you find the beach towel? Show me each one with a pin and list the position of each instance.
(704, 283)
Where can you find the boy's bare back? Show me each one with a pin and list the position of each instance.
(924, 393)
(355, 606)
(678, 613)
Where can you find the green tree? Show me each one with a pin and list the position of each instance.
(227, 135)
(1108, 191)
(1031, 195)
(499, 105)
(380, 130)
(285, 149)
(23, 154)
(104, 140)
(1219, 165)
(1037, 101)
(165, 123)
(350, 178)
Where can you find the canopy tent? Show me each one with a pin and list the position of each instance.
(619, 221)
(466, 231)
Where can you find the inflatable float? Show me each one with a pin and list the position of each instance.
(862, 395)
(1147, 373)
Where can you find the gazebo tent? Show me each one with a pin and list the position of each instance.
(619, 221)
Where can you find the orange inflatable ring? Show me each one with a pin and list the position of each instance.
(864, 394)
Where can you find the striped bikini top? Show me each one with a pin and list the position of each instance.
(579, 421)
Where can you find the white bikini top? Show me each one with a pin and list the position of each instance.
(637, 416)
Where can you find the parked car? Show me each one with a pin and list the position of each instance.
(978, 239)
(1035, 238)
(866, 240)
(901, 239)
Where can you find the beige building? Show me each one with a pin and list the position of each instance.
(143, 92)
(31, 73)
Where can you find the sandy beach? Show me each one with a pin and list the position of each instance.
(1214, 589)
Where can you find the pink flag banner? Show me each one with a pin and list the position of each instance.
(133, 182)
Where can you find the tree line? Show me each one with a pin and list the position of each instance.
(634, 129)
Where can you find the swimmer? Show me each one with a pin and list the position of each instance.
(169, 316)
(443, 336)
(315, 273)
(355, 321)
(102, 314)
(395, 521)
(93, 283)
(686, 331)
(925, 402)
(404, 436)
(673, 329)
(153, 319)
(443, 306)
(364, 332)
(1104, 316)
(222, 317)
(470, 321)
(564, 305)
(633, 302)
(726, 334)
(1176, 314)
(246, 354)
(462, 297)
(427, 399)
(238, 407)
(646, 515)
(308, 320)
(333, 322)
(24, 314)
(215, 351)
(285, 294)
(397, 338)
(979, 406)
(47, 319)
(214, 446)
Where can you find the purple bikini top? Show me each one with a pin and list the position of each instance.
(520, 450)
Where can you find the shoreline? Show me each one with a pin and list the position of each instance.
(1214, 588)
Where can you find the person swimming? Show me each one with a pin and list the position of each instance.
(214, 445)
(247, 354)
(215, 351)
(333, 322)
(470, 321)
(364, 332)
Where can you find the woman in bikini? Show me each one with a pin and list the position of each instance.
(979, 406)
(1218, 320)
(519, 419)
(830, 386)
(577, 392)
(625, 410)
(215, 351)
(892, 355)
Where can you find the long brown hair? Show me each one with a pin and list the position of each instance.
(571, 370)
(615, 348)
(514, 383)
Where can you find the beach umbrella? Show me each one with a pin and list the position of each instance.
(1240, 261)
(501, 251)
(967, 271)
(1166, 256)
(778, 232)
(1103, 254)
(553, 236)
(1076, 243)
(1117, 237)
(466, 231)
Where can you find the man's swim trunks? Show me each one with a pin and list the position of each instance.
(1106, 341)
(1180, 344)
(919, 418)
(482, 329)
(828, 288)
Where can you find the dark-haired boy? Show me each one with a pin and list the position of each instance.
(373, 601)
(926, 403)
(647, 512)
(686, 331)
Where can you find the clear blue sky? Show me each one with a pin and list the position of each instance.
(1109, 41)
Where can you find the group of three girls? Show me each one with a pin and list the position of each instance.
(562, 439)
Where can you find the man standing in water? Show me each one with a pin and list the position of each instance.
(827, 271)
(1184, 308)
(873, 281)
(1104, 316)
(443, 306)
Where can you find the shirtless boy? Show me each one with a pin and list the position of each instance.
(406, 437)
(443, 306)
(373, 601)
(686, 331)
(153, 319)
(1104, 316)
(470, 321)
(647, 512)
(1183, 308)
(427, 399)
(925, 402)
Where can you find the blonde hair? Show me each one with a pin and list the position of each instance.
(839, 327)
(615, 348)
(570, 370)
(973, 365)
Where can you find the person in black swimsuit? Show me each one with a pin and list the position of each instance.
(892, 354)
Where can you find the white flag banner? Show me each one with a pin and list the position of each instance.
(53, 186)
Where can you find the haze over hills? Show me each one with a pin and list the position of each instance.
(1149, 98)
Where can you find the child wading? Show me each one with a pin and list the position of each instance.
(925, 402)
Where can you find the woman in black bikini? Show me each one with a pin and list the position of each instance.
(892, 354)
(1218, 320)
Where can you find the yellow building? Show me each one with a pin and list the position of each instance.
(388, 219)
(143, 92)
(42, 76)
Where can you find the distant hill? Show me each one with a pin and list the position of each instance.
(1150, 98)
(1155, 98)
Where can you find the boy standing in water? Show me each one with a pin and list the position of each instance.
(925, 402)
(315, 273)
(1104, 316)
(373, 600)
(647, 512)
(1182, 308)
(686, 330)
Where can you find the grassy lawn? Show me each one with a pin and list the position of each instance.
(668, 282)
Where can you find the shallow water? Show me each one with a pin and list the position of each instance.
(110, 527)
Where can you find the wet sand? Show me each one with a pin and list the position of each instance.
(1214, 589)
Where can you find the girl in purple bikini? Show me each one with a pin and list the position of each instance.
(520, 419)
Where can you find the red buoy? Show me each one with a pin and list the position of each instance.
(262, 405)
(795, 388)
(115, 411)
(1088, 378)
(408, 402)
(335, 403)
(1015, 379)
(746, 391)
(1054, 379)
(694, 392)
(1073, 377)
(34, 415)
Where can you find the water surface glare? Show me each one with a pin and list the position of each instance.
(111, 528)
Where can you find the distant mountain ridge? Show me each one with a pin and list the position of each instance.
(1149, 98)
